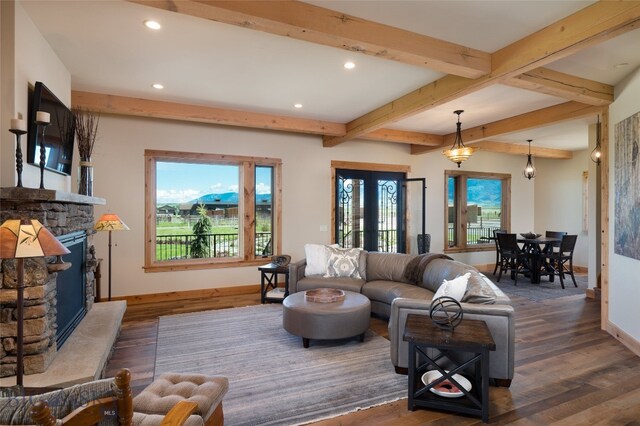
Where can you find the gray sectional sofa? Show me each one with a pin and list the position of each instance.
(402, 284)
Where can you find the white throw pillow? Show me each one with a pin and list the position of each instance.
(454, 288)
(343, 262)
(316, 255)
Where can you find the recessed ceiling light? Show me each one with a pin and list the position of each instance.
(349, 65)
(157, 86)
(622, 65)
(152, 25)
(297, 105)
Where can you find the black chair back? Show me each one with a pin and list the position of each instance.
(555, 234)
(568, 243)
(495, 235)
(508, 242)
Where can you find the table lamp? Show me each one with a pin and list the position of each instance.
(110, 222)
(20, 239)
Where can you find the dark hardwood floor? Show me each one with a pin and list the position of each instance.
(568, 371)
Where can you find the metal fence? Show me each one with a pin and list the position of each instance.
(475, 234)
(172, 247)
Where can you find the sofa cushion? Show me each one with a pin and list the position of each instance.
(439, 270)
(343, 262)
(454, 288)
(387, 291)
(314, 281)
(387, 266)
(480, 290)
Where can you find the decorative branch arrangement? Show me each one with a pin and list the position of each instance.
(86, 131)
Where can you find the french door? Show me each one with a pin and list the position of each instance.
(369, 210)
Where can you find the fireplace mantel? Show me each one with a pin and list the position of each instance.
(48, 195)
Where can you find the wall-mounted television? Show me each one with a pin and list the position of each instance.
(59, 135)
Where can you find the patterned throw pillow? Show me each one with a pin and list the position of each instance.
(343, 262)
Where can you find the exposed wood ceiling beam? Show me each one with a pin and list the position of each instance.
(402, 136)
(121, 105)
(315, 24)
(513, 149)
(519, 149)
(593, 24)
(202, 114)
(554, 83)
(539, 118)
(529, 120)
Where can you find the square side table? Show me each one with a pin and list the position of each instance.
(470, 336)
(269, 290)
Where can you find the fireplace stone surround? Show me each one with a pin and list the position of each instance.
(62, 213)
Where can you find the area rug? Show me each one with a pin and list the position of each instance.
(272, 378)
(543, 291)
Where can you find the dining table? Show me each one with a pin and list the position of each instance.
(536, 249)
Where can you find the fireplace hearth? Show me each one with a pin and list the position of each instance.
(55, 302)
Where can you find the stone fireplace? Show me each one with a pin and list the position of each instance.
(54, 301)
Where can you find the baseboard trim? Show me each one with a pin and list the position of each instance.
(624, 338)
(139, 299)
(594, 293)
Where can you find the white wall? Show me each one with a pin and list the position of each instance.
(558, 199)
(624, 272)
(32, 60)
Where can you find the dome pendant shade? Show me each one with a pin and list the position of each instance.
(458, 152)
(529, 170)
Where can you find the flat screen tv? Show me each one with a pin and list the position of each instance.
(59, 135)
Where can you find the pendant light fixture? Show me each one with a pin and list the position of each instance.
(596, 154)
(529, 171)
(458, 152)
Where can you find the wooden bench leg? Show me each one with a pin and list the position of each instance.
(217, 417)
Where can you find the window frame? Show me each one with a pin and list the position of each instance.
(460, 208)
(246, 209)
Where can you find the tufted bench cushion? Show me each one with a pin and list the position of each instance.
(170, 388)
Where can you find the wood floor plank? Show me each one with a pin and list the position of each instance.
(568, 371)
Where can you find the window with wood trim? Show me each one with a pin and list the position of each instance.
(209, 210)
(476, 204)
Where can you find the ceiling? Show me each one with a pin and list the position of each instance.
(107, 50)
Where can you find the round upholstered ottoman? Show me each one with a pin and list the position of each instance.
(323, 321)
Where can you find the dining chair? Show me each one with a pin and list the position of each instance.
(554, 234)
(495, 241)
(558, 260)
(513, 259)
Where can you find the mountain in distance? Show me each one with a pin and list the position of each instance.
(228, 198)
(486, 193)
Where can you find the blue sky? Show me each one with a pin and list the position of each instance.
(182, 182)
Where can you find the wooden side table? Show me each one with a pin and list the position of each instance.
(269, 290)
(470, 336)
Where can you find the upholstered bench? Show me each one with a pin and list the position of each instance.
(166, 391)
(322, 321)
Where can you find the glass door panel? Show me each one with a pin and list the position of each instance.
(369, 210)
